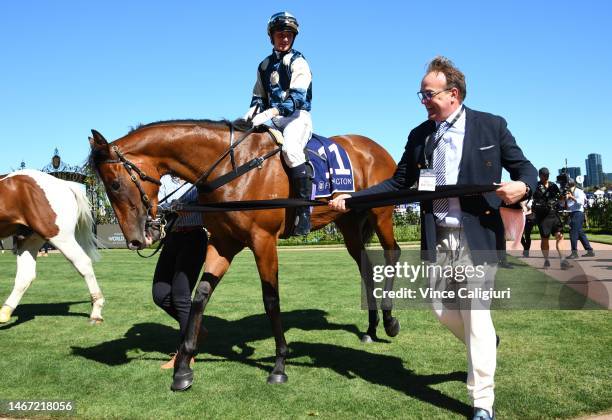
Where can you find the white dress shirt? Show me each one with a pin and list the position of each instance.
(454, 137)
(578, 204)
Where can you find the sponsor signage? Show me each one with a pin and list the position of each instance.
(110, 236)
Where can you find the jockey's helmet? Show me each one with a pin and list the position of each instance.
(282, 21)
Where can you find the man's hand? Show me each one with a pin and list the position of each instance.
(511, 192)
(264, 117)
(338, 203)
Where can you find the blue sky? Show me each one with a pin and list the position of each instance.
(69, 66)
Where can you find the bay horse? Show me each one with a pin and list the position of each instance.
(131, 167)
(35, 208)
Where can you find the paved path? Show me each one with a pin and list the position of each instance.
(591, 276)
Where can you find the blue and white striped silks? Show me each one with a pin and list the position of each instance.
(284, 82)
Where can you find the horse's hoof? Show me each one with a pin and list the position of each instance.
(5, 314)
(95, 321)
(182, 381)
(367, 339)
(392, 328)
(277, 378)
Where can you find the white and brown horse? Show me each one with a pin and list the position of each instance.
(36, 207)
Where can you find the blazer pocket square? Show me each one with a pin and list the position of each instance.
(487, 147)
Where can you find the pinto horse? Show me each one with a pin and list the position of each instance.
(36, 207)
(131, 167)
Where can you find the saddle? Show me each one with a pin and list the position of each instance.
(333, 172)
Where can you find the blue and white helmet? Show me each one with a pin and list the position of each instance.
(282, 21)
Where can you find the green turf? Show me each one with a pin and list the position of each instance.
(551, 364)
(600, 237)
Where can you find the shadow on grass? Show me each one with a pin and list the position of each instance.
(379, 369)
(28, 311)
(230, 341)
(226, 339)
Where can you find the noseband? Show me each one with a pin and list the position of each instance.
(133, 171)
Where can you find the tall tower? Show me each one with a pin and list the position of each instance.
(594, 169)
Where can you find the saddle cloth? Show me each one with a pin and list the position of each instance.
(333, 171)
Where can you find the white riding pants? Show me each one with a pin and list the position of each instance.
(297, 130)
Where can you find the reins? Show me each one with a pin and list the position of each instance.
(235, 172)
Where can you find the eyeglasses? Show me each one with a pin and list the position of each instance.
(428, 95)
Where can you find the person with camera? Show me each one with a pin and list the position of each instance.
(545, 202)
(574, 200)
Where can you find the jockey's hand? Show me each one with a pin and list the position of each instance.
(338, 203)
(511, 192)
(264, 117)
(249, 115)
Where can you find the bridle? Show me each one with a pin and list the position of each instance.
(163, 223)
(137, 175)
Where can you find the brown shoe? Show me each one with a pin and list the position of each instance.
(170, 363)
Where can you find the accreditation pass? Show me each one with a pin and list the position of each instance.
(427, 180)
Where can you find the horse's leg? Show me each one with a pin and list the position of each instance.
(219, 256)
(382, 220)
(71, 249)
(26, 273)
(350, 226)
(266, 258)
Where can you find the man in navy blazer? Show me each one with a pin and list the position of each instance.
(458, 145)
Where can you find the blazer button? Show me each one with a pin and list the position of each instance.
(488, 212)
(419, 165)
(489, 163)
(423, 212)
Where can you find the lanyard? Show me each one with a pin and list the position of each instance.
(438, 138)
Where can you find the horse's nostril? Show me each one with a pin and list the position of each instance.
(135, 244)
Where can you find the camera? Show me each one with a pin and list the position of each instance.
(563, 181)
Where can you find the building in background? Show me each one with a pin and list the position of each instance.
(572, 171)
(595, 176)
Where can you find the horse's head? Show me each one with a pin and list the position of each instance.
(131, 189)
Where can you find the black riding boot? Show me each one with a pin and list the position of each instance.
(301, 178)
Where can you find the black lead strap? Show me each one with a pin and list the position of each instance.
(438, 138)
(355, 203)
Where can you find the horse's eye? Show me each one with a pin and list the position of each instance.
(115, 185)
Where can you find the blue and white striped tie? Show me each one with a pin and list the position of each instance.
(440, 207)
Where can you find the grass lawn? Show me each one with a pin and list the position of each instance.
(599, 237)
(551, 364)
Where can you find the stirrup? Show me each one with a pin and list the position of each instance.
(302, 221)
(301, 178)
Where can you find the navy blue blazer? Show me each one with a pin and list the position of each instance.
(488, 146)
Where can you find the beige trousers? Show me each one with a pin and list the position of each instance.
(468, 319)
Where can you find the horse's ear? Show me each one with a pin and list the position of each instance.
(98, 139)
(99, 146)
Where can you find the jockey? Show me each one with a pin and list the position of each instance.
(282, 93)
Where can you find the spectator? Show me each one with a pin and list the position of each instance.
(575, 200)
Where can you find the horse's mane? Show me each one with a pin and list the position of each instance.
(239, 124)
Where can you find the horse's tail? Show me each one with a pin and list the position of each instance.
(84, 227)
